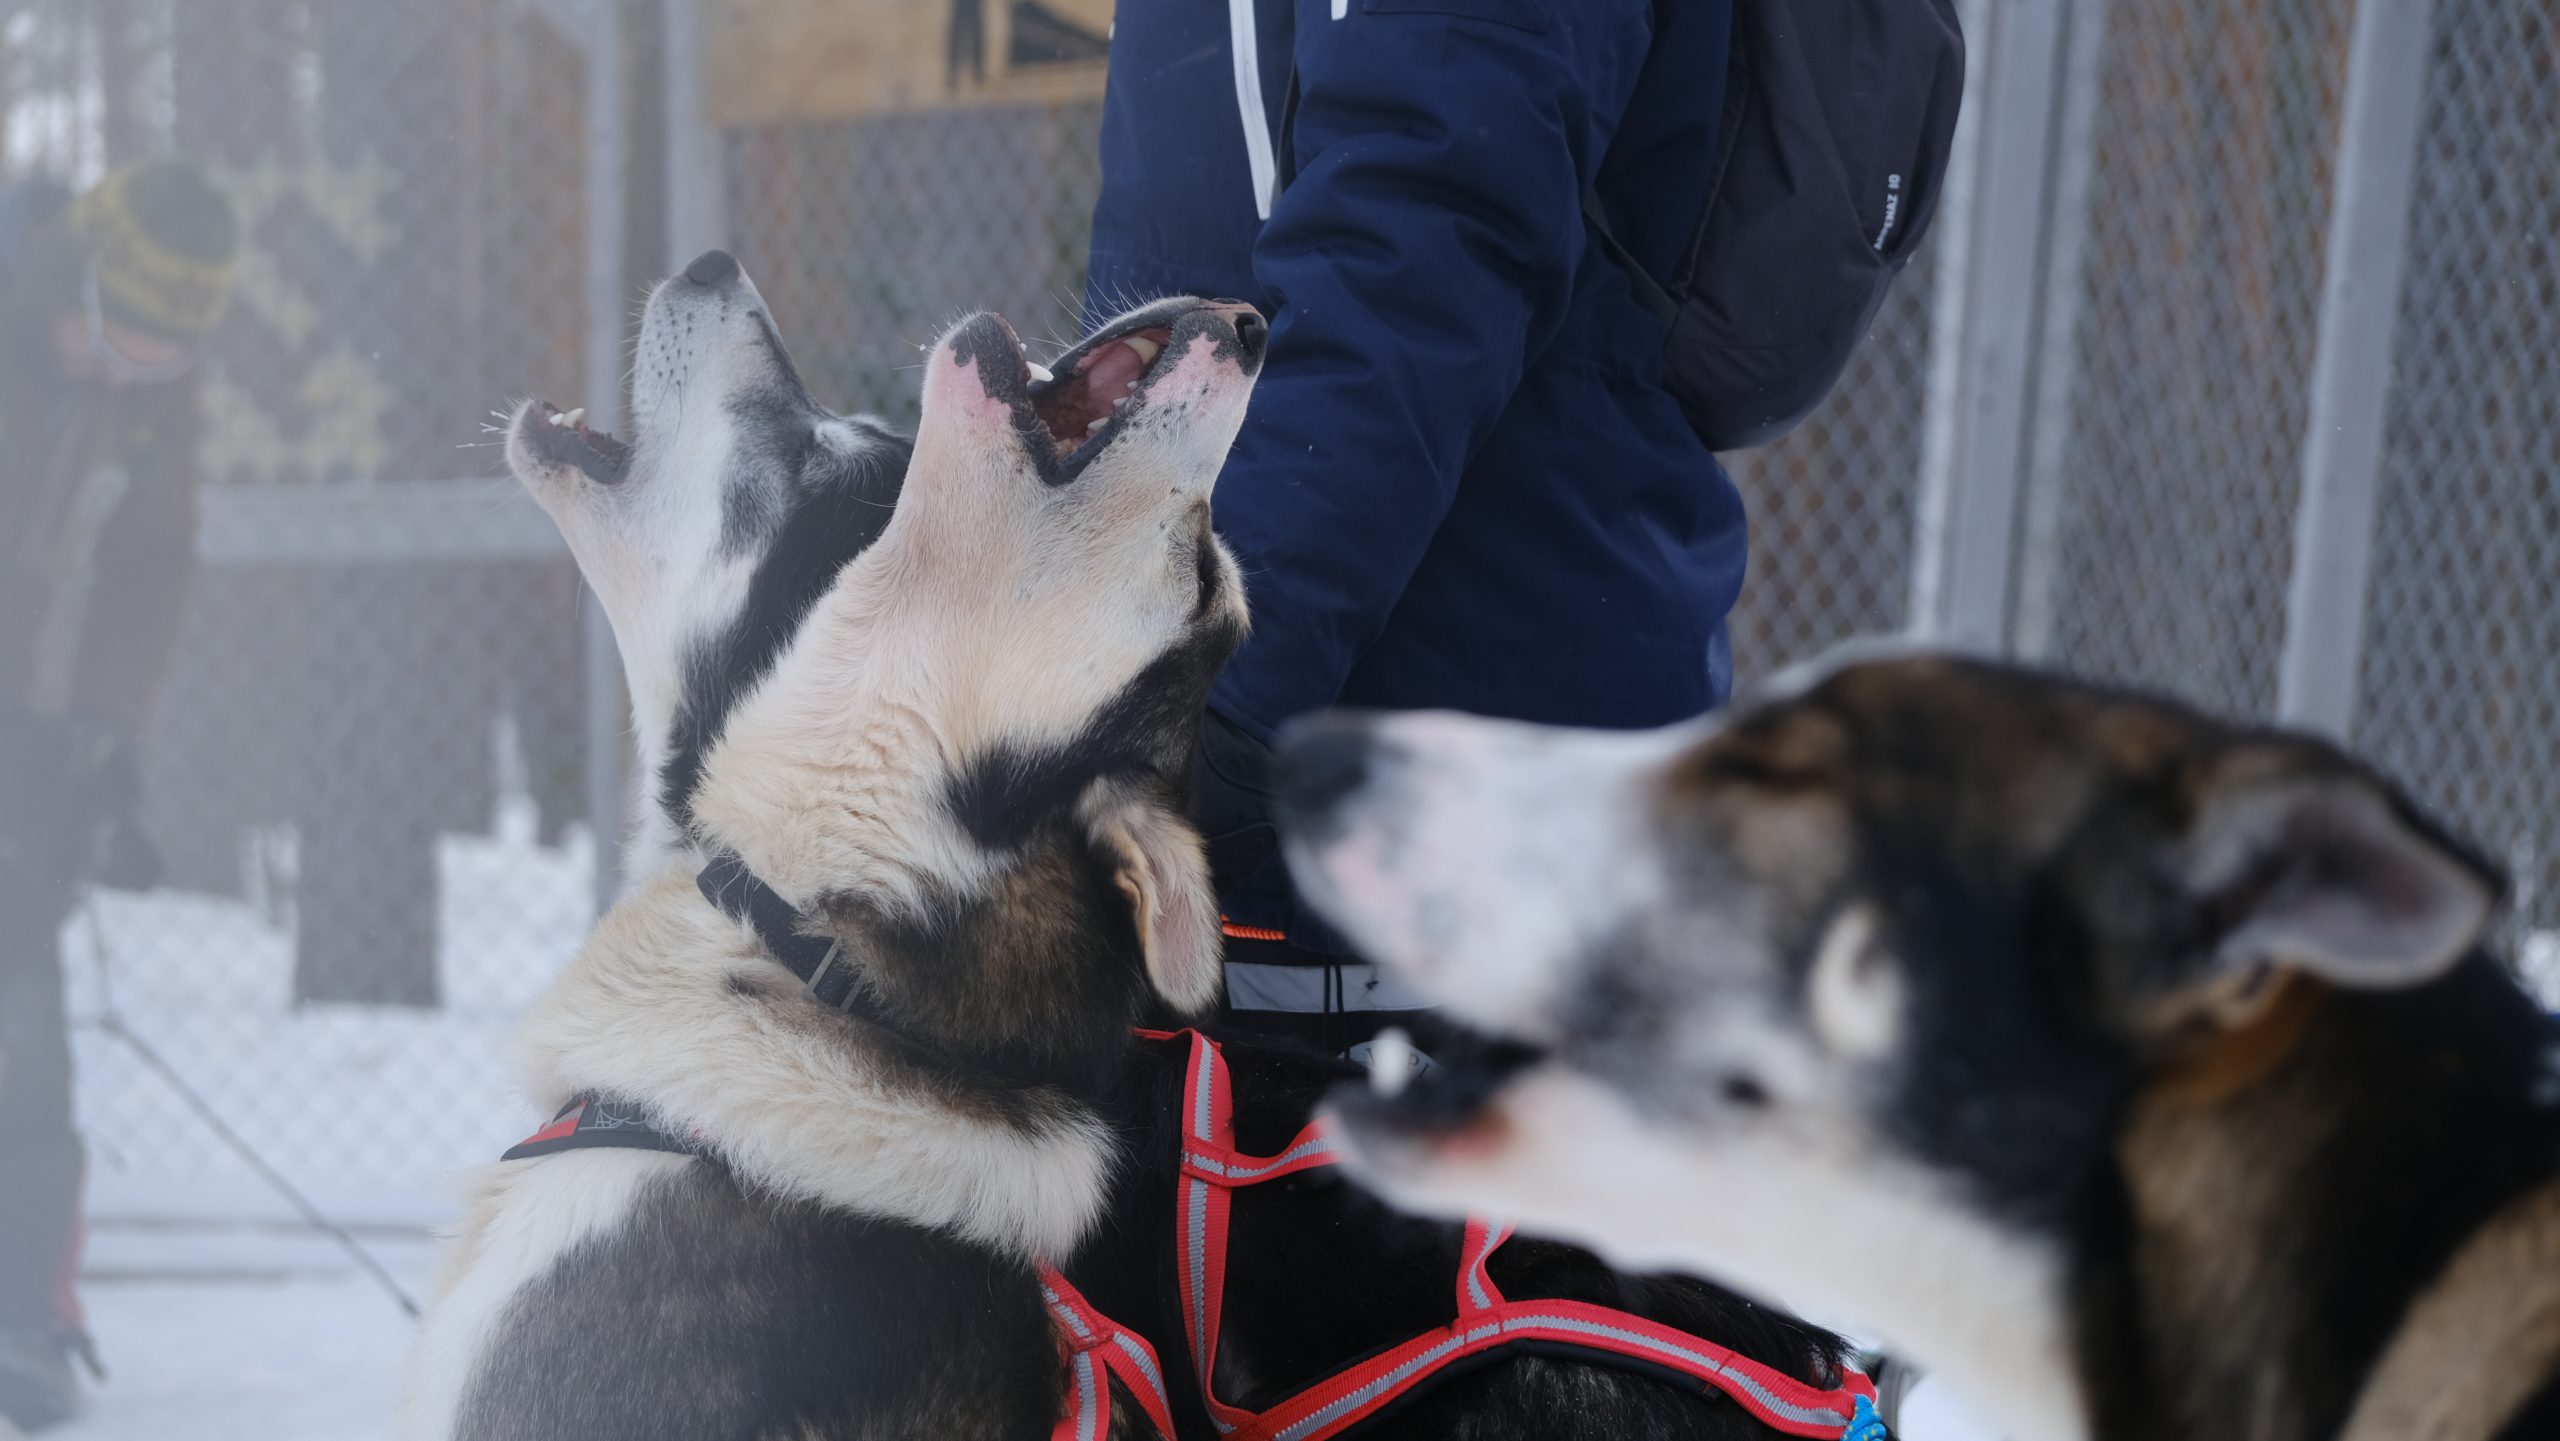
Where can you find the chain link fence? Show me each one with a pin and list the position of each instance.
(2213, 169)
(365, 771)
(870, 235)
(2174, 499)
(1832, 503)
(2459, 690)
(374, 768)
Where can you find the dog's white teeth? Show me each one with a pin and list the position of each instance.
(575, 417)
(1124, 400)
(558, 419)
(1147, 350)
(1096, 423)
(1041, 373)
(1390, 1062)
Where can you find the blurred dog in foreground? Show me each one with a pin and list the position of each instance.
(2142, 1073)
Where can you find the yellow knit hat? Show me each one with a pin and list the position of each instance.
(162, 242)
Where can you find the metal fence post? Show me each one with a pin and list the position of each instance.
(2058, 347)
(605, 713)
(1941, 379)
(607, 719)
(608, 708)
(2351, 371)
(1983, 394)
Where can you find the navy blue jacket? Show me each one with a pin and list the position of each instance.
(1461, 483)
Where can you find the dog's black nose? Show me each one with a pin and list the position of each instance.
(1253, 333)
(1319, 762)
(712, 267)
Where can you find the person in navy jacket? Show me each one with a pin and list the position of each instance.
(1462, 483)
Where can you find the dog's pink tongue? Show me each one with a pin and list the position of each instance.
(1113, 369)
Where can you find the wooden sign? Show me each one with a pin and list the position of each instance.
(776, 60)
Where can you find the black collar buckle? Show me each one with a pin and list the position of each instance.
(727, 883)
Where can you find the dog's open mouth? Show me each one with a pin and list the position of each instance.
(1084, 395)
(1090, 387)
(1444, 1100)
(1069, 411)
(563, 438)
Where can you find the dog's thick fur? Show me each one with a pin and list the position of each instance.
(959, 755)
(1322, 1273)
(2140, 1072)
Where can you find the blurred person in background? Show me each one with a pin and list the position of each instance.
(1462, 482)
(104, 300)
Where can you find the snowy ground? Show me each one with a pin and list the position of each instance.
(243, 1333)
(218, 1313)
(363, 1102)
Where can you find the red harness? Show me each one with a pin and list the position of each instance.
(1093, 1347)
(1213, 1170)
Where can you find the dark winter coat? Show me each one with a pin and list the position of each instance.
(97, 513)
(1461, 483)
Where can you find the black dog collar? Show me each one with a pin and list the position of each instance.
(817, 961)
(591, 1121)
(825, 971)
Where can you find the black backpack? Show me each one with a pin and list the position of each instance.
(1838, 119)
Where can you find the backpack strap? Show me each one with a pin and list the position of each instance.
(1649, 291)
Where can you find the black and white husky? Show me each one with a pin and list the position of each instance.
(708, 570)
(957, 760)
(2142, 1072)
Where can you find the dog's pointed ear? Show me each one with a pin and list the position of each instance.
(2298, 858)
(1161, 867)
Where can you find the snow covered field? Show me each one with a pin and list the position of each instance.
(218, 1313)
(363, 1102)
(243, 1333)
